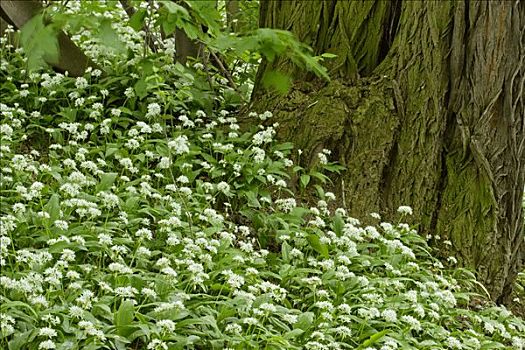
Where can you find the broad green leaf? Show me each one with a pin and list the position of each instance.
(492, 345)
(17, 305)
(428, 343)
(21, 340)
(286, 146)
(299, 212)
(333, 167)
(147, 67)
(109, 37)
(124, 316)
(191, 30)
(175, 9)
(55, 173)
(338, 224)
(110, 151)
(373, 339)
(53, 207)
(39, 42)
(102, 310)
(278, 81)
(206, 12)
(252, 199)
(321, 177)
(90, 346)
(137, 20)
(293, 333)
(316, 244)
(59, 247)
(106, 181)
(141, 88)
(143, 330)
(305, 180)
(304, 321)
(173, 315)
(285, 251)
(168, 24)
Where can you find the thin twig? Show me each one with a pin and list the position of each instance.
(224, 70)
(205, 60)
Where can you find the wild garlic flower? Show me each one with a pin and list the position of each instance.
(179, 145)
(454, 343)
(223, 187)
(389, 315)
(47, 332)
(81, 83)
(322, 158)
(233, 328)
(405, 210)
(412, 322)
(154, 110)
(46, 345)
(144, 233)
(259, 155)
(286, 205)
(129, 93)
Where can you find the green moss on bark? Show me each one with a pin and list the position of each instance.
(436, 119)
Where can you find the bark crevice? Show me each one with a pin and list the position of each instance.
(438, 123)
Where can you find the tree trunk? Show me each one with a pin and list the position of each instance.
(425, 108)
(70, 57)
(185, 47)
(232, 15)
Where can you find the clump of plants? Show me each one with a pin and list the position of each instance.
(137, 215)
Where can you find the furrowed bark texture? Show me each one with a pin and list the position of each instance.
(425, 108)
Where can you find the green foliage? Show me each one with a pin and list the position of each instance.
(200, 20)
(279, 81)
(136, 215)
(39, 41)
(271, 44)
(109, 36)
(175, 16)
(138, 19)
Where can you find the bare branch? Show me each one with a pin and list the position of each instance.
(226, 73)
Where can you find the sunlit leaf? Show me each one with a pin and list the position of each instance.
(39, 42)
(278, 81)
(137, 20)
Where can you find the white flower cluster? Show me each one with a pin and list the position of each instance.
(144, 224)
(179, 145)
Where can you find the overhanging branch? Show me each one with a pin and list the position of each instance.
(71, 58)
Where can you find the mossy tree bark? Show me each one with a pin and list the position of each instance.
(425, 108)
